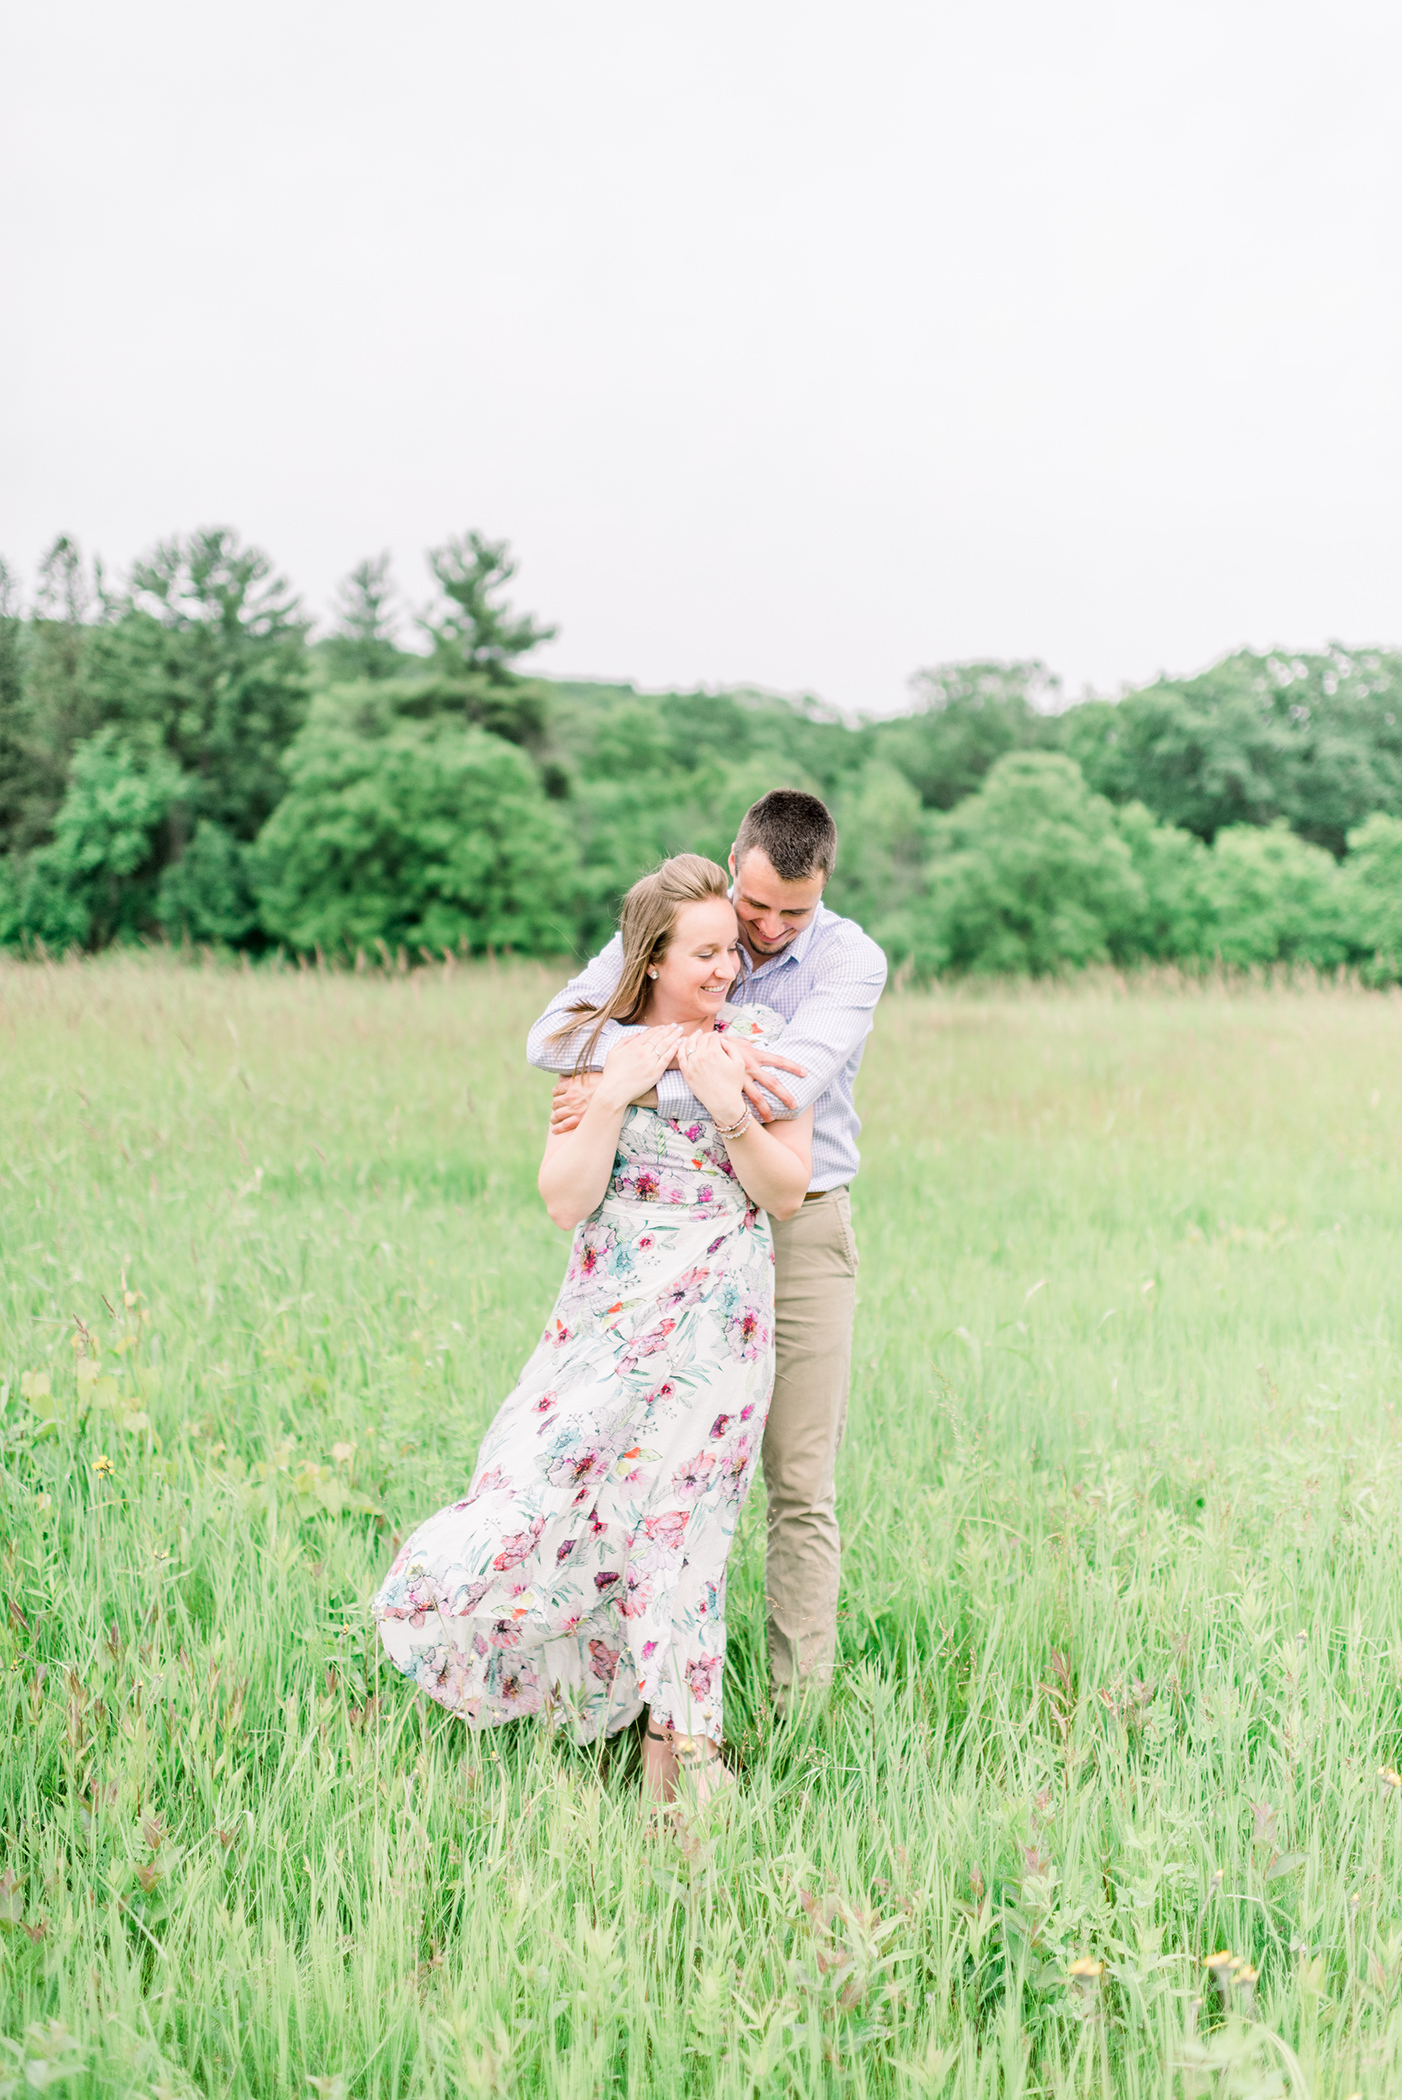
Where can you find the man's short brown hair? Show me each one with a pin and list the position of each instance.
(793, 830)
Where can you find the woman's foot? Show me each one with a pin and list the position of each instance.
(659, 1774)
(702, 1772)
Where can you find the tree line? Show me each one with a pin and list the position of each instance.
(181, 759)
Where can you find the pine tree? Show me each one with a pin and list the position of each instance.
(363, 643)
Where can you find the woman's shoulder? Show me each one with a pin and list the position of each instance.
(750, 1024)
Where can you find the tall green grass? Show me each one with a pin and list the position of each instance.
(1121, 1637)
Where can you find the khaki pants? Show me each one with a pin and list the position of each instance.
(815, 1292)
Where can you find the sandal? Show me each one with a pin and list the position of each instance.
(702, 1766)
(655, 1811)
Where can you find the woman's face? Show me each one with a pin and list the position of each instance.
(699, 967)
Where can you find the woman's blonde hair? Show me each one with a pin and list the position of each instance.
(647, 921)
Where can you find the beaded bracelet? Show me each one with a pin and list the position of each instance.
(738, 1129)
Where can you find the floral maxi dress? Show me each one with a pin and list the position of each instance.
(582, 1576)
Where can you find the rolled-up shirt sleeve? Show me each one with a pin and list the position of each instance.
(831, 1021)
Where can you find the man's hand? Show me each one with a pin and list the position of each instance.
(760, 1066)
(569, 1101)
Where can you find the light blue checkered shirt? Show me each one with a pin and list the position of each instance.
(825, 984)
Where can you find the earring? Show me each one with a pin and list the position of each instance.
(652, 973)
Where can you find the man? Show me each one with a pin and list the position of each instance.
(824, 975)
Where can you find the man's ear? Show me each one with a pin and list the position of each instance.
(730, 863)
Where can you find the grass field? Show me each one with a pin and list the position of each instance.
(1121, 1672)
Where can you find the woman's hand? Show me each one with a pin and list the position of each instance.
(634, 1064)
(715, 1071)
(574, 1174)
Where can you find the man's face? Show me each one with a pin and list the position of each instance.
(772, 913)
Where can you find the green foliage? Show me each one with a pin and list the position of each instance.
(205, 661)
(1372, 886)
(97, 880)
(986, 830)
(1029, 876)
(1275, 899)
(207, 895)
(517, 709)
(473, 631)
(881, 872)
(1036, 875)
(49, 701)
(362, 643)
(14, 718)
(611, 732)
(420, 833)
(11, 882)
(1175, 919)
(966, 717)
(1316, 740)
(653, 774)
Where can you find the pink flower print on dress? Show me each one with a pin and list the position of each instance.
(735, 1472)
(515, 1548)
(747, 1333)
(557, 1334)
(591, 1252)
(720, 1425)
(691, 1479)
(605, 1579)
(665, 1534)
(576, 1469)
(701, 1676)
(492, 1478)
(663, 1392)
(683, 1290)
(516, 1690)
(649, 1650)
(467, 1601)
(564, 1552)
(603, 1660)
(646, 1344)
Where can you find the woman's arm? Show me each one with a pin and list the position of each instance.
(773, 1162)
(574, 1174)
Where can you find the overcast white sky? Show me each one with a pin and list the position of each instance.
(791, 343)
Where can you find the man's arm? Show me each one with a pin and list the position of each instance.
(832, 1020)
(596, 982)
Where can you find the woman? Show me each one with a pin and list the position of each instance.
(582, 1577)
